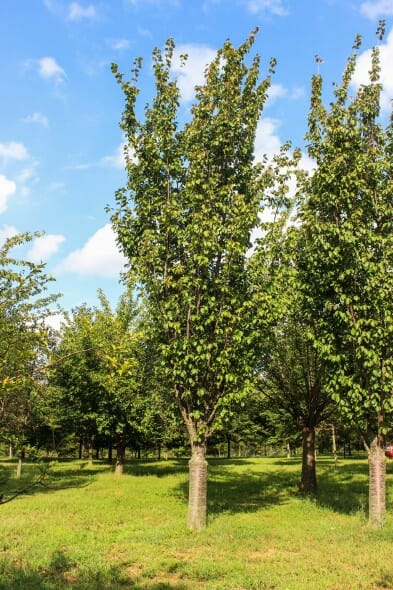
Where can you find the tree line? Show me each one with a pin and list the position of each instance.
(227, 324)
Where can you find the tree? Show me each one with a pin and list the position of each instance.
(184, 222)
(291, 373)
(74, 364)
(24, 337)
(292, 380)
(347, 257)
(122, 411)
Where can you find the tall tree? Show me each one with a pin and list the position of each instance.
(24, 336)
(347, 256)
(184, 223)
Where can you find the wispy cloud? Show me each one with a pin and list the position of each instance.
(119, 44)
(38, 118)
(275, 7)
(16, 157)
(7, 189)
(44, 247)
(48, 69)
(136, 3)
(374, 10)
(13, 150)
(115, 160)
(78, 12)
(99, 256)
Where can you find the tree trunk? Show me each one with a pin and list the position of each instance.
(288, 450)
(377, 473)
(10, 452)
(110, 451)
(90, 452)
(81, 448)
(19, 468)
(197, 499)
(228, 447)
(334, 446)
(308, 481)
(120, 454)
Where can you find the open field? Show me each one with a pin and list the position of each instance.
(112, 533)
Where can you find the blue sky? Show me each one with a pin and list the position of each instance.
(60, 143)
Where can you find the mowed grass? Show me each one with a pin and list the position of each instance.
(111, 533)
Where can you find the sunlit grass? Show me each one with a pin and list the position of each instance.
(111, 533)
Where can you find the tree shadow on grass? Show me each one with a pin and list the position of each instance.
(33, 481)
(64, 574)
(343, 489)
(247, 491)
(172, 466)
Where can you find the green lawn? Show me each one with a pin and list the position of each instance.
(111, 533)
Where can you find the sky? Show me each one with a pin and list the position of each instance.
(61, 148)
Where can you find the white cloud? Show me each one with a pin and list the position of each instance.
(361, 75)
(55, 321)
(273, 6)
(193, 72)
(7, 231)
(276, 91)
(37, 118)
(100, 256)
(48, 68)
(7, 189)
(44, 247)
(78, 12)
(119, 44)
(267, 141)
(13, 150)
(373, 10)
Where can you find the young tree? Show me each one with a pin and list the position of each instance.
(347, 257)
(291, 373)
(292, 380)
(184, 223)
(122, 410)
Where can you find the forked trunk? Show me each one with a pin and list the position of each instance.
(197, 499)
(308, 482)
(377, 473)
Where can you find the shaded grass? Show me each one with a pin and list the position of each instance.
(129, 532)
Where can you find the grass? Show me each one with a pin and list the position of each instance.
(119, 533)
